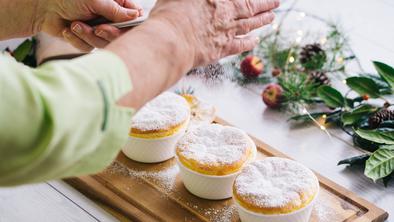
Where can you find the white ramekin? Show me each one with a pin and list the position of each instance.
(208, 186)
(301, 215)
(153, 150)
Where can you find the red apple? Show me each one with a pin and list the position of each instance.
(273, 95)
(252, 66)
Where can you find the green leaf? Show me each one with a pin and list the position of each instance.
(331, 97)
(363, 86)
(356, 114)
(357, 160)
(386, 72)
(382, 83)
(365, 144)
(380, 164)
(387, 179)
(387, 147)
(23, 50)
(377, 136)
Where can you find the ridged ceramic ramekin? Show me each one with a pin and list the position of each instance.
(153, 150)
(209, 186)
(301, 215)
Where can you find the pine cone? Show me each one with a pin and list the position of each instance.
(319, 78)
(377, 118)
(313, 57)
(276, 72)
(212, 71)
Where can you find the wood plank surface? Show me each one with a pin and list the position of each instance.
(155, 192)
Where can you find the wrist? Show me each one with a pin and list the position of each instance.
(23, 25)
(156, 57)
(176, 44)
(182, 38)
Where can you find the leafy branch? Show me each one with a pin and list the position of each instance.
(371, 127)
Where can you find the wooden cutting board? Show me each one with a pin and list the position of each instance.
(133, 191)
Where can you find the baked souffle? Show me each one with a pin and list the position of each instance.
(215, 150)
(202, 113)
(163, 116)
(275, 186)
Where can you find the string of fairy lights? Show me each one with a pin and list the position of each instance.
(320, 123)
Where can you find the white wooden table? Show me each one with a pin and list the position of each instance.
(369, 25)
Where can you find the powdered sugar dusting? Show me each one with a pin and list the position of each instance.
(276, 182)
(324, 213)
(165, 178)
(214, 144)
(223, 214)
(166, 110)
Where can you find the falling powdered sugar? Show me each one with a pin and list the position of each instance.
(276, 182)
(163, 112)
(214, 144)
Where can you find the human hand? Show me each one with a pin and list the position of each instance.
(181, 34)
(64, 19)
(213, 28)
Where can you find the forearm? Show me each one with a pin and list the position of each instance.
(156, 58)
(19, 18)
(61, 119)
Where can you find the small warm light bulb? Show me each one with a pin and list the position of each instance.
(324, 116)
(323, 128)
(344, 81)
(340, 59)
(291, 59)
(323, 40)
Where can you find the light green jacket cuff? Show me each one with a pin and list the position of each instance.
(61, 119)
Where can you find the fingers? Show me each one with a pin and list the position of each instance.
(244, 26)
(86, 38)
(75, 41)
(132, 5)
(241, 44)
(108, 32)
(249, 8)
(87, 34)
(115, 12)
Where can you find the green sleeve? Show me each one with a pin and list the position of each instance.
(61, 119)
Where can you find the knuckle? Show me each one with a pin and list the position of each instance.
(115, 11)
(276, 3)
(249, 7)
(244, 27)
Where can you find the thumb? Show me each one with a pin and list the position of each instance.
(111, 10)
